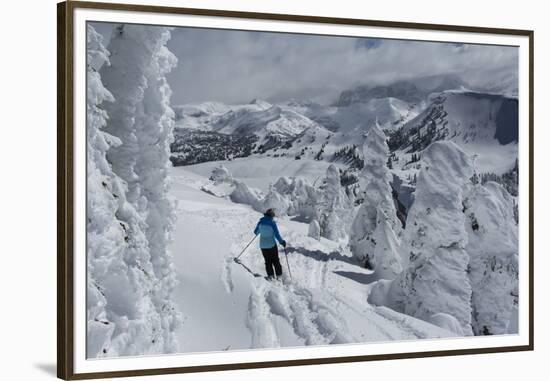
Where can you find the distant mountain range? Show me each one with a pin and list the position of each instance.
(413, 113)
(410, 91)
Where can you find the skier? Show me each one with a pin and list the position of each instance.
(268, 231)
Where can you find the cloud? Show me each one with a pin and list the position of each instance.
(237, 66)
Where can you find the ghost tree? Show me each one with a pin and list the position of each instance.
(301, 195)
(334, 207)
(138, 292)
(105, 232)
(314, 230)
(242, 194)
(493, 250)
(435, 279)
(375, 230)
(274, 200)
(220, 174)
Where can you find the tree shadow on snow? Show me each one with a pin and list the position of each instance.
(322, 256)
(358, 277)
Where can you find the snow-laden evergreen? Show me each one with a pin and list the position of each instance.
(292, 196)
(137, 285)
(435, 279)
(374, 233)
(334, 207)
(493, 249)
(220, 174)
(154, 124)
(387, 261)
(329, 204)
(274, 200)
(302, 196)
(105, 231)
(243, 194)
(314, 230)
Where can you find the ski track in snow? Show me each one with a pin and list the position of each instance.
(317, 307)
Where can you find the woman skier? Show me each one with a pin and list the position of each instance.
(268, 231)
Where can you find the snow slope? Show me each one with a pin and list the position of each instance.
(198, 116)
(389, 111)
(260, 172)
(274, 121)
(226, 307)
(255, 118)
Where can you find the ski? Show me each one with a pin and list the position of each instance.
(274, 281)
(255, 275)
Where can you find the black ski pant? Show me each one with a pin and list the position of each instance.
(271, 257)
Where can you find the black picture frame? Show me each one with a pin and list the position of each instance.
(65, 185)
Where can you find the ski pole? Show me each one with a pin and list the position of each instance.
(250, 243)
(287, 265)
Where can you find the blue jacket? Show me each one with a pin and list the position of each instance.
(268, 231)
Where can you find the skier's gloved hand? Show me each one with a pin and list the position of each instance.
(283, 243)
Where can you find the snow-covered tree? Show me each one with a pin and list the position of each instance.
(314, 230)
(105, 231)
(435, 279)
(220, 174)
(493, 250)
(242, 194)
(374, 233)
(274, 200)
(334, 207)
(288, 196)
(155, 123)
(138, 290)
(301, 195)
(387, 262)
(284, 185)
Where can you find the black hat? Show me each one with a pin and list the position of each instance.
(270, 213)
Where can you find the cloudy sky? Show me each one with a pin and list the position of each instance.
(238, 66)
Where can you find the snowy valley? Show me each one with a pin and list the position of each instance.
(398, 203)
